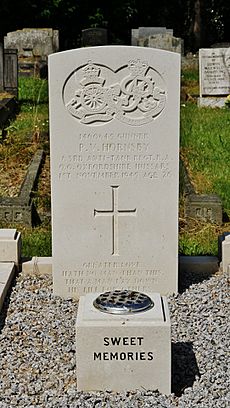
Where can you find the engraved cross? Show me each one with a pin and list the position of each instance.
(114, 213)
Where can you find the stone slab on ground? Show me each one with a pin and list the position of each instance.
(7, 270)
(211, 102)
(37, 266)
(123, 352)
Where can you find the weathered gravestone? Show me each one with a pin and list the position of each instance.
(114, 115)
(214, 73)
(94, 36)
(166, 42)
(140, 36)
(33, 45)
(8, 70)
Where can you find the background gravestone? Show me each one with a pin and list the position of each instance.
(157, 37)
(94, 36)
(166, 42)
(214, 73)
(205, 208)
(33, 45)
(114, 116)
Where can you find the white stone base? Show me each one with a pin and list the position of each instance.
(7, 270)
(212, 102)
(38, 266)
(123, 352)
(10, 246)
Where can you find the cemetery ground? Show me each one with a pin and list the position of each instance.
(37, 329)
(204, 140)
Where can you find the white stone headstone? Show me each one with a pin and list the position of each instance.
(114, 125)
(214, 65)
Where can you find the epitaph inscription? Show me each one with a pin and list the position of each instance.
(214, 71)
(137, 99)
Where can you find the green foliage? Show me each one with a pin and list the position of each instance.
(97, 20)
(189, 76)
(201, 242)
(33, 116)
(33, 90)
(205, 141)
(36, 242)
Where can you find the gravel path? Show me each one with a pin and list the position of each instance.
(37, 350)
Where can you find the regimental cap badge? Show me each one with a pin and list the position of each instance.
(91, 74)
(138, 67)
(91, 71)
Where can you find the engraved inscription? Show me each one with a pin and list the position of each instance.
(97, 157)
(114, 213)
(97, 276)
(120, 353)
(134, 94)
(215, 72)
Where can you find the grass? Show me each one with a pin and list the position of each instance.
(24, 134)
(190, 81)
(205, 141)
(36, 241)
(205, 148)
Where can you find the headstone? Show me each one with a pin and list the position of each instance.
(33, 41)
(134, 36)
(140, 36)
(33, 45)
(205, 208)
(166, 42)
(123, 352)
(214, 73)
(94, 36)
(114, 169)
